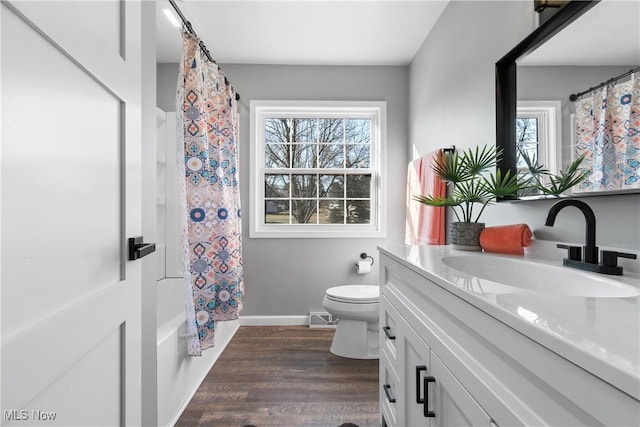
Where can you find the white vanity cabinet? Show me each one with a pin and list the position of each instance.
(411, 394)
(479, 371)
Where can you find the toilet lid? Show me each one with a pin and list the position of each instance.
(355, 293)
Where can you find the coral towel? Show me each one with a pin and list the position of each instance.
(425, 224)
(506, 239)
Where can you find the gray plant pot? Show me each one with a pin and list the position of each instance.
(465, 236)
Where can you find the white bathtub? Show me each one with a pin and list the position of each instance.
(180, 375)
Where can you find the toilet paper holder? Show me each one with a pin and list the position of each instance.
(364, 256)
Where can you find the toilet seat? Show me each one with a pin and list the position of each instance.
(354, 294)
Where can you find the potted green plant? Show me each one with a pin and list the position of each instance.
(475, 183)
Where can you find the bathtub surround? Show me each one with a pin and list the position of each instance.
(209, 199)
(177, 374)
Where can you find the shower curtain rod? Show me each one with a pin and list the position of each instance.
(574, 97)
(203, 47)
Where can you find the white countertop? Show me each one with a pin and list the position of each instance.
(601, 335)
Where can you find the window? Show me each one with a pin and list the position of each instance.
(538, 134)
(537, 130)
(316, 169)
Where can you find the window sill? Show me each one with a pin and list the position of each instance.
(315, 232)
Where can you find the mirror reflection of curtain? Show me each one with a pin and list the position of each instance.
(608, 133)
(209, 196)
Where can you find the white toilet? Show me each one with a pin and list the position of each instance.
(357, 308)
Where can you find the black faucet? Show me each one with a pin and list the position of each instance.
(589, 250)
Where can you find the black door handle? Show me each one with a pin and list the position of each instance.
(426, 411)
(419, 369)
(138, 249)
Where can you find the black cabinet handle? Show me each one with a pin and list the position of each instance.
(427, 412)
(419, 369)
(387, 391)
(138, 249)
(387, 332)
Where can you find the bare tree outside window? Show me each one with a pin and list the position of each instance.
(311, 170)
(526, 139)
(527, 142)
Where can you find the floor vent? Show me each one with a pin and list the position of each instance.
(322, 319)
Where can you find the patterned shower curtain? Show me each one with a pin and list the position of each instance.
(608, 134)
(209, 196)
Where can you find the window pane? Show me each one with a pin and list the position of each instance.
(358, 156)
(332, 186)
(358, 211)
(331, 156)
(331, 211)
(304, 211)
(304, 155)
(276, 185)
(277, 155)
(303, 185)
(526, 130)
(276, 212)
(359, 186)
(358, 130)
(531, 150)
(330, 130)
(277, 130)
(303, 130)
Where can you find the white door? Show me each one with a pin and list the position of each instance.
(70, 198)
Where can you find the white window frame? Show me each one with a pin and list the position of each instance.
(549, 116)
(375, 110)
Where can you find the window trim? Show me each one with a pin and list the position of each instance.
(549, 115)
(261, 110)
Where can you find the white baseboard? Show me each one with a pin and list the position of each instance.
(274, 320)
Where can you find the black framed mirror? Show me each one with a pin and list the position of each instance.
(511, 75)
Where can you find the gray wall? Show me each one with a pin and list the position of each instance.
(289, 276)
(452, 101)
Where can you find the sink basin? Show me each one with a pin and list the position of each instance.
(538, 277)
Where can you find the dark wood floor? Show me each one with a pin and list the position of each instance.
(285, 376)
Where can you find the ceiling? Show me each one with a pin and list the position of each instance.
(607, 34)
(302, 32)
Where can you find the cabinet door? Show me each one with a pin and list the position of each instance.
(389, 318)
(449, 400)
(389, 393)
(415, 357)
